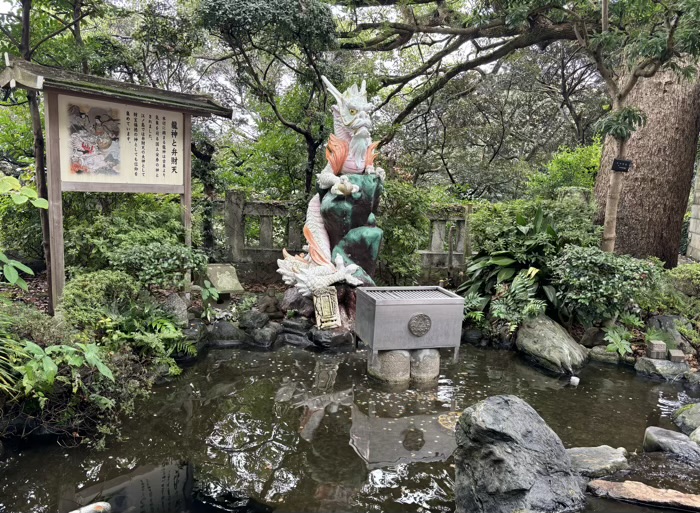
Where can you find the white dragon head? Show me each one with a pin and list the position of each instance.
(352, 110)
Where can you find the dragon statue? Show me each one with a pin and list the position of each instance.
(341, 233)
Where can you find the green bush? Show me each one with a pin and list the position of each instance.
(158, 264)
(686, 278)
(568, 168)
(404, 221)
(494, 226)
(89, 297)
(595, 285)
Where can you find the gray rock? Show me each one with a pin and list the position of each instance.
(267, 336)
(692, 378)
(640, 493)
(669, 324)
(425, 365)
(695, 436)
(657, 439)
(509, 460)
(663, 369)
(224, 334)
(472, 336)
(601, 354)
(687, 418)
(337, 339)
(293, 300)
(294, 339)
(253, 320)
(390, 366)
(593, 337)
(177, 308)
(598, 461)
(224, 278)
(549, 345)
(297, 325)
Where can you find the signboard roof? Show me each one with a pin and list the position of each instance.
(20, 73)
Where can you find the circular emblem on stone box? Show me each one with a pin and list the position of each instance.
(419, 324)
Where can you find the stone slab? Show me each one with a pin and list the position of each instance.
(598, 461)
(224, 278)
(633, 491)
(670, 371)
(657, 439)
(676, 355)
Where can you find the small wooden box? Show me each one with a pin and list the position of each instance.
(392, 318)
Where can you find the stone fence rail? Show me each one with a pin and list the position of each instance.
(256, 257)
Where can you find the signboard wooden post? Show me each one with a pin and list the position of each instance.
(107, 136)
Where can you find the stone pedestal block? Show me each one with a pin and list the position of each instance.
(425, 365)
(390, 366)
(676, 355)
(656, 350)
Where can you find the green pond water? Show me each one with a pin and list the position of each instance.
(305, 432)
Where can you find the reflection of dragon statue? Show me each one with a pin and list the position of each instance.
(343, 240)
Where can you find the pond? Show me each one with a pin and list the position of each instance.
(305, 432)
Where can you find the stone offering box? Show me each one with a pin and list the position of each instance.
(394, 318)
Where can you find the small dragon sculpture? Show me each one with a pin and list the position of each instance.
(350, 150)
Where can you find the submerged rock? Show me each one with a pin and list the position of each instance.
(508, 460)
(663, 369)
(390, 366)
(664, 440)
(598, 461)
(548, 345)
(687, 418)
(293, 339)
(336, 339)
(633, 491)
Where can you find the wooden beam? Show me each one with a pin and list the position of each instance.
(53, 153)
(123, 187)
(186, 197)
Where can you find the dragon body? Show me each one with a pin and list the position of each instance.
(350, 151)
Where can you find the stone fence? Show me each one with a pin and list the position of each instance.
(255, 251)
(694, 226)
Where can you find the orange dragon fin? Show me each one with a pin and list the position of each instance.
(337, 153)
(315, 252)
(371, 154)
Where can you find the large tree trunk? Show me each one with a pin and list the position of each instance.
(655, 192)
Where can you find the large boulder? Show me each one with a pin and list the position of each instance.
(663, 369)
(509, 460)
(598, 461)
(224, 334)
(548, 345)
(688, 418)
(253, 320)
(657, 439)
(267, 336)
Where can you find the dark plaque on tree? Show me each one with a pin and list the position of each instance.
(621, 166)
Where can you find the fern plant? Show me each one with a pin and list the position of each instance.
(516, 302)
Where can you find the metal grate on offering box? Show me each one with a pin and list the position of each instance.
(408, 293)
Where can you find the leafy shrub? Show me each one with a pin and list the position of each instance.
(568, 168)
(516, 302)
(494, 226)
(88, 297)
(158, 264)
(618, 339)
(686, 278)
(404, 221)
(595, 285)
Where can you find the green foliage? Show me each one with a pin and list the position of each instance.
(596, 285)
(568, 168)
(404, 220)
(685, 233)
(11, 354)
(631, 321)
(622, 124)
(494, 226)
(516, 302)
(474, 305)
(664, 298)
(158, 264)
(686, 278)
(209, 295)
(88, 297)
(660, 335)
(619, 340)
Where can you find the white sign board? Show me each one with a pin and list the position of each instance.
(113, 143)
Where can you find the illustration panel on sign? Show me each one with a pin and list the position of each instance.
(94, 140)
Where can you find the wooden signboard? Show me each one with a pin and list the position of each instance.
(108, 136)
(99, 146)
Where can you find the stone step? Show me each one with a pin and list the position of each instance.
(633, 491)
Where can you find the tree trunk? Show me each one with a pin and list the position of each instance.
(655, 192)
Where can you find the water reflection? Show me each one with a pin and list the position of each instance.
(303, 432)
